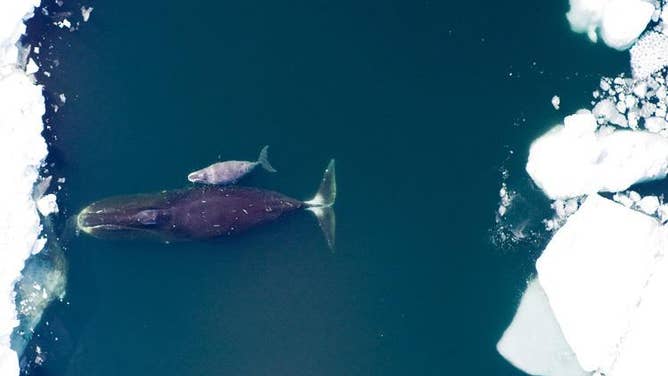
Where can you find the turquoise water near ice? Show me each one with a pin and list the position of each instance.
(419, 102)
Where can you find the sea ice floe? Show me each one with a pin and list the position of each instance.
(22, 151)
(604, 272)
(623, 21)
(534, 341)
(576, 159)
(595, 272)
(555, 102)
(618, 22)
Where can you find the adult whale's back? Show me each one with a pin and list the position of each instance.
(203, 212)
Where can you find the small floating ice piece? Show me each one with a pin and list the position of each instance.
(32, 67)
(623, 199)
(534, 342)
(607, 111)
(649, 204)
(655, 124)
(85, 13)
(65, 23)
(39, 245)
(47, 205)
(555, 102)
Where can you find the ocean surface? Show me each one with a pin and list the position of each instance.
(424, 105)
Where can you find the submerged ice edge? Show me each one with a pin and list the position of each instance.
(22, 152)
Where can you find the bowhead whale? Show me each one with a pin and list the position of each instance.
(203, 212)
(229, 172)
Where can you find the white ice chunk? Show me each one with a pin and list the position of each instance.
(623, 21)
(655, 124)
(534, 342)
(32, 67)
(640, 89)
(85, 13)
(572, 159)
(619, 22)
(607, 111)
(649, 204)
(38, 246)
(47, 204)
(594, 271)
(623, 199)
(555, 102)
(64, 24)
(634, 196)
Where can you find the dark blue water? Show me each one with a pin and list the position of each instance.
(419, 102)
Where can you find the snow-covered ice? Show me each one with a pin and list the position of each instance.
(534, 342)
(642, 350)
(594, 272)
(575, 159)
(623, 21)
(22, 151)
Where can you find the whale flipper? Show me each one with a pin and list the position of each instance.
(321, 204)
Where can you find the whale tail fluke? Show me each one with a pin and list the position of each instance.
(263, 159)
(322, 204)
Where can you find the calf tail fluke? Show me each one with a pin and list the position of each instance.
(321, 204)
(263, 159)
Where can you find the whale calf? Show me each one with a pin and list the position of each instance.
(229, 172)
(203, 212)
